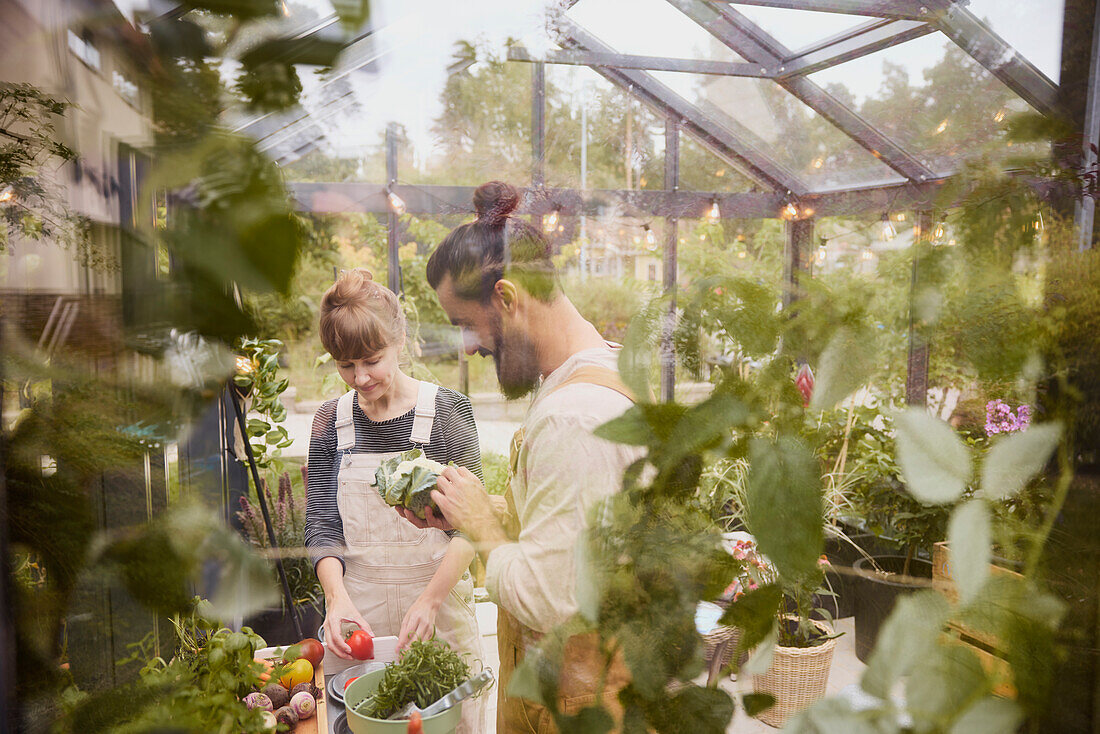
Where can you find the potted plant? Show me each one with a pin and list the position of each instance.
(288, 520)
(890, 513)
(805, 642)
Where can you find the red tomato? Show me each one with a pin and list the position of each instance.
(361, 644)
(416, 726)
(350, 681)
(309, 648)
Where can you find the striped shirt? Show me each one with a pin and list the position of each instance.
(454, 438)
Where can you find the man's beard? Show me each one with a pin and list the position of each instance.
(516, 362)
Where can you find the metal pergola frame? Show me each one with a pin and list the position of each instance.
(892, 22)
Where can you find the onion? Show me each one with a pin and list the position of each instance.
(303, 704)
(258, 700)
(270, 722)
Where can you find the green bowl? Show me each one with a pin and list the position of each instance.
(443, 723)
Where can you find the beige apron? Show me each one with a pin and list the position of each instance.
(389, 561)
(583, 661)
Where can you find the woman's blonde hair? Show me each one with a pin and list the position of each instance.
(360, 317)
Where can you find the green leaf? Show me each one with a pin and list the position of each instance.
(970, 537)
(784, 505)
(934, 461)
(707, 424)
(990, 715)
(589, 720)
(942, 683)
(630, 428)
(756, 703)
(754, 614)
(1015, 459)
(353, 13)
(258, 426)
(847, 363)
(908, 633)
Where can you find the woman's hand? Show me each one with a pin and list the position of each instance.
(419, 622)
(339, 610)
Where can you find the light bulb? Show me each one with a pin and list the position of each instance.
(637, 240)
(900, 216)
(396, 202)
(808, 212)
(650, 238)
(7, 194)
(790, 210)
(818, 162)
(867, 255)
(551, 222)
(937, 233)
(1000, 115)
(714, 213)
(741, 254)
(940, 128)
(1039, 227)
(821, 253)
(888, 231)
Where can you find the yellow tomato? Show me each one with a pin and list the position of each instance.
(300, 671)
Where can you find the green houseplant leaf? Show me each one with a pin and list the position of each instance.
(784, 505)
(1016, 458)
(911, 629)
(970, 537)
(846, 363)
(934, 461)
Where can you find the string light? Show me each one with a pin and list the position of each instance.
(1039, 226)
(888, 231)
(818, 162)
(900, 216)
(551, 222)
(244, 365)
(7, 195)
(397, 204)
(1000, 115)
(937, 233)
(867, 254)
(741, 254)
(822, 252)
(808, 212)
(650, 238)
(791, 211)
(720, 172)
(940, 128)
(714, 213)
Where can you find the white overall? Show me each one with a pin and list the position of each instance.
(389, 561)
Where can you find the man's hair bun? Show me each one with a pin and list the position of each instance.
(494, 201)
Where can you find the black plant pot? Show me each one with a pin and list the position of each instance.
(277, 628)
(876, 595)
(840, 578)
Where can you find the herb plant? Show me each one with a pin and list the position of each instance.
(427, 671)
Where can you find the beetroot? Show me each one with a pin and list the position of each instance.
(288, 716)
(278, 695)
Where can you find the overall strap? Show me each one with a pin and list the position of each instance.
(425, 413)
(591, 374)
(345, 423)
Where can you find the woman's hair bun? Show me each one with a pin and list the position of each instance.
(494, 201)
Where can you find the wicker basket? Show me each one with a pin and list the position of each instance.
(796, 678)
(716, 637)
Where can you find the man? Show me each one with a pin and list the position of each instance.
(495, 280)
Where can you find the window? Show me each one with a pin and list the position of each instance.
(84, 48)
(653, 271)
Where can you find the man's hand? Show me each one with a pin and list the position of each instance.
(465, 505)
(431, 520)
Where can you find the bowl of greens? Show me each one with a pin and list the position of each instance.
(427, 670)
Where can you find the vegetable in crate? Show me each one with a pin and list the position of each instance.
(427, 670)
(407, 480)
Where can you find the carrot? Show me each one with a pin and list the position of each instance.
(416, 726)
(268, 667)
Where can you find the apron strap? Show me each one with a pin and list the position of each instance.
(345, 423)
(425, 413)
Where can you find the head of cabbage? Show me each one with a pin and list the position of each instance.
(407, 480)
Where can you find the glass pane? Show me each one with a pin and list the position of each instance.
(620, 139)
(649, 28)
(703, 170)
(782, 127)
(798, 28)
(931, 97)
(1033, 27)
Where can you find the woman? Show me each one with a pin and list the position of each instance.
(378, 571)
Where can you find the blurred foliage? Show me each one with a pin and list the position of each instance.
(258, 381)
